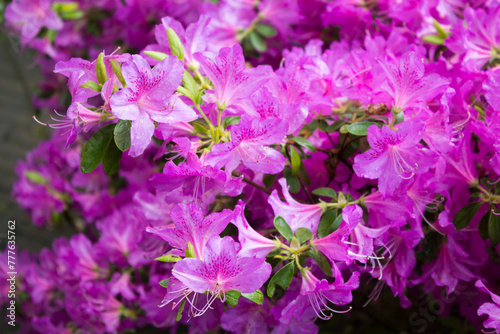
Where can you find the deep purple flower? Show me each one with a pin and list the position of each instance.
(196, 178)
(319, 293)
(248, 317)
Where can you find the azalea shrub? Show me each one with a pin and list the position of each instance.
(284, 166)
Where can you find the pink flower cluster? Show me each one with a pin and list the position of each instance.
(263, 161)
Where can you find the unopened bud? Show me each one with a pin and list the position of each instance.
(100, 69)
(117, 70)
(175, 44)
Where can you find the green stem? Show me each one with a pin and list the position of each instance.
(200, 78)
(241, 36)
(212, 130)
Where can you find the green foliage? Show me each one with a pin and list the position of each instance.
(465, 215)
(283, 228)
(282, 278)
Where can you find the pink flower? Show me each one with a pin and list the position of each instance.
(221, 270)
(407, 84)
(253, 244)
(233, 83)
(334, 245)
(295, 214)
(249, 145)
(394, 155)
(149, 97)
(319, 293)
(196, 178)
(490, 309)
(30, 16)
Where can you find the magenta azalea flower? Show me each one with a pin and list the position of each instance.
(296, 214)
(252, 242)
(196, 179)
(491, 88)
(453, 264)
(408, 85)
(395, 155)
(490, 309)
(249, 140)
(149, 97)
(233, 83)
(334, 245)
(221, 270)
(319, 293)
(191, 226)
(30, 16)
(193, 38)
(479, 40)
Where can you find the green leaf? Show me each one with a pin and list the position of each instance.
(117, 70)
(35, 177)
(92, 85)
(312, 126)
(494, 226)
(283, 228)
(257, 42)
(200, 128)
(304, 143)
(266, 30)
(168, 258)
(156, 55)
(295, 157)
(231, 120)
(321, 261)
(336, 222)
(303, 234)
(359, 129)
(164, 283)
(111, 160)
(96, 148)
(122, 134)
(335, 126)
(325, 224)
(483, 225)
(232, 297)
(100, 69)
(325, 192)
(190, 85)
(184, 92)
(282, 278)
(178, 316)
(190, 250)
(465, 215)
(433, 39)
(257, 297)
(269, 179)
(175, 44)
